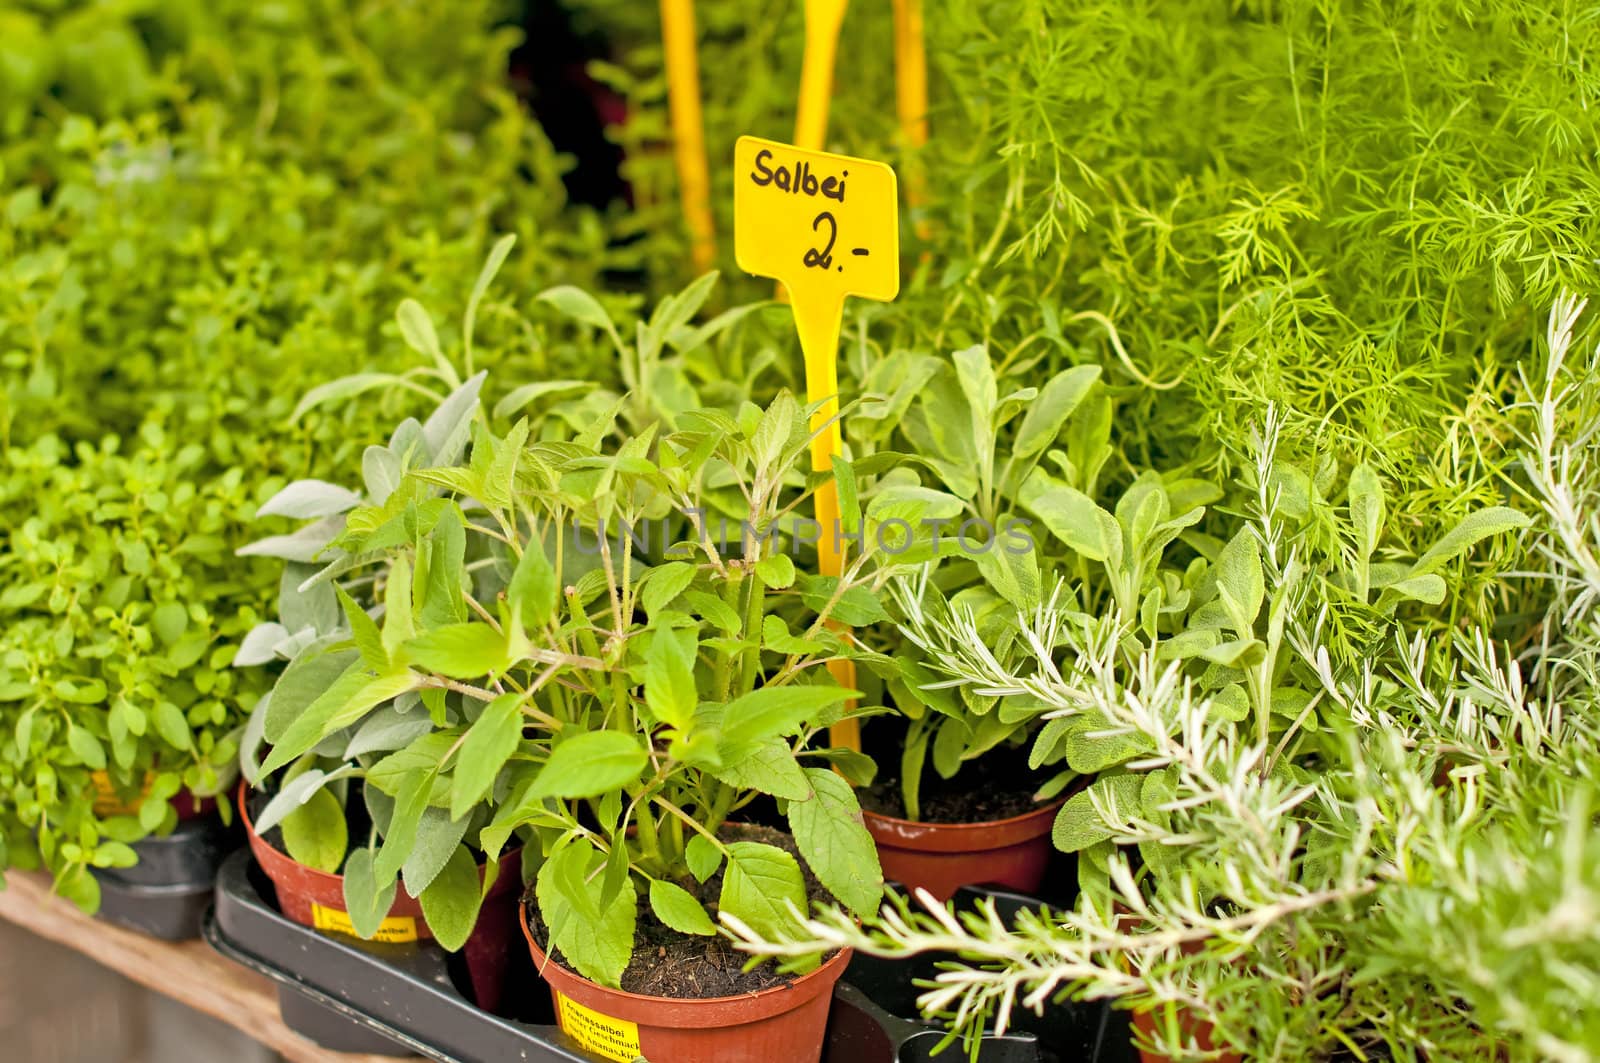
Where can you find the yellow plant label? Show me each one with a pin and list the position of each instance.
(606, 1037)
(825, 225)
(394, 930)
(108, 803)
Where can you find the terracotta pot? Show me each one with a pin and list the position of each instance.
(784, 1023)
(316, 899)
(943, 857)
(1148, 1021)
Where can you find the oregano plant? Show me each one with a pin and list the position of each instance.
(122, 609)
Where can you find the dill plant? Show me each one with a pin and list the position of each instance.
(1351, 212)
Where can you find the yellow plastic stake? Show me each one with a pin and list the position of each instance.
(823, 19)
(688, 129)
(911, 93)
(826, 227)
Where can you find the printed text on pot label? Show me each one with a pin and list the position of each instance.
(597, 1033)
(394, 929)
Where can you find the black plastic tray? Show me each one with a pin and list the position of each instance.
(167, 892)
(395, 999)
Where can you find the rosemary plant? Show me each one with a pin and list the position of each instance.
(1291, 888)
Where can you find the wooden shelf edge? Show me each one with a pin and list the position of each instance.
(188, 972)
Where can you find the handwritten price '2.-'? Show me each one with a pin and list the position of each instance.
(823, 258)
(827, 223)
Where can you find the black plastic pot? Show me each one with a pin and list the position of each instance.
(1066, 1033)
(168, 891)
(350, 995)
(860, 1030)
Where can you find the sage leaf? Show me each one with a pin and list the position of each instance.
(489, 743)
(366, 902)
(702, 856)
(438, 835)
(1014, 574)
(770, 768)
(411, 799)
(452, 899)
(1069, 515)
(589, 764)
(1240, 581)
(307, 499)
(1080, 824)
(518, 398)
(580, 306)
(460, 651)
(1365, 495)
(305, 545)
(597, 942)
(831, 834)
(315, 833)
(346, 702)
(294, 793)
(447, 429)
(491, 266)
(759, 884)
(386, 730)
(1473, 528)
(342, 388)
(1048, 413)
(677, 908)
(260, 645)
(416, 328)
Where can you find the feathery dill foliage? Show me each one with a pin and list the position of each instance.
(1355, 212)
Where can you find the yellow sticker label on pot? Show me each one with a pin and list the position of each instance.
(606, 1037)
(394, 930)
(106, 800)
(825, 225)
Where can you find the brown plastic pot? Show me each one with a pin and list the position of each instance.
(784, 1023)
(316, 899)
(943, 857)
